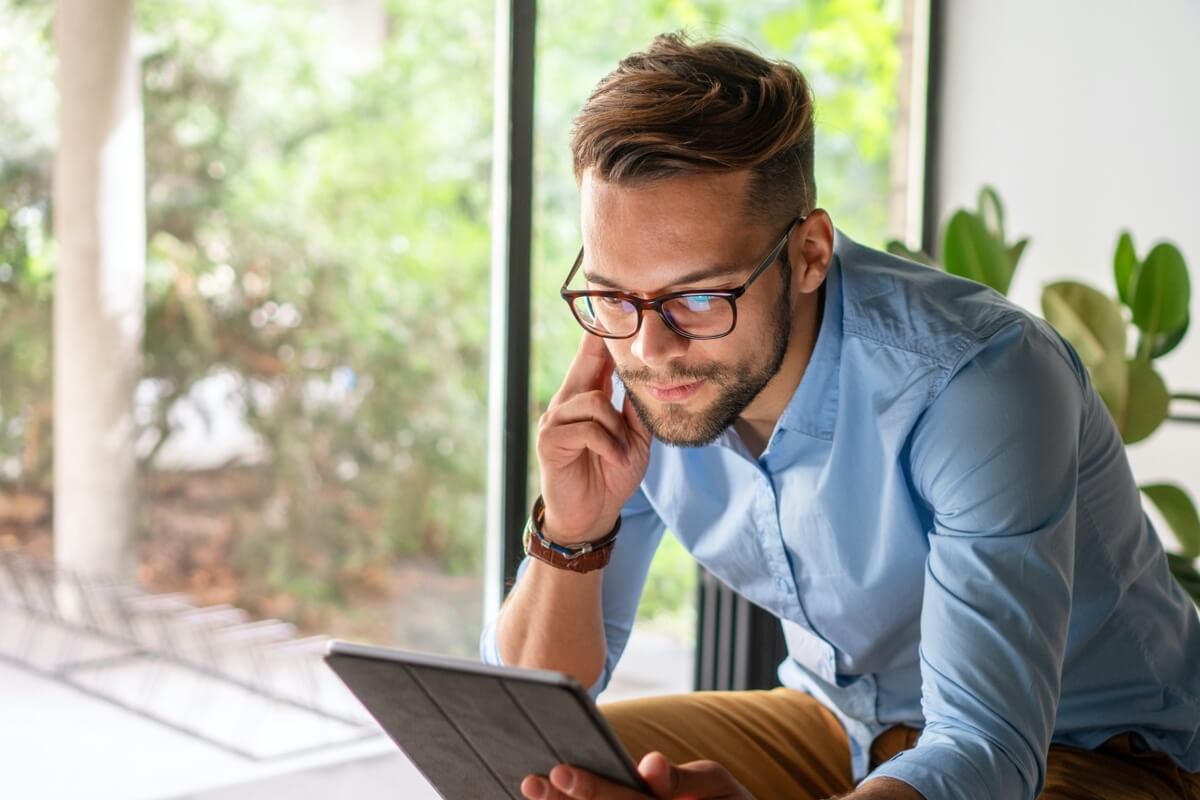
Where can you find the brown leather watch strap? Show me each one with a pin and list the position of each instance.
(581, 558)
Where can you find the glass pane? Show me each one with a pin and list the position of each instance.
(850, 53)
(313, 413)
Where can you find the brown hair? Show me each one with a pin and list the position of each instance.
(682, 108)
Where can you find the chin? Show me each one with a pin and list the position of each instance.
(673, 424)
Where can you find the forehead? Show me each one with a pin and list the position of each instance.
(644, 237)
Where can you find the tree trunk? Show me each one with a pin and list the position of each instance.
(100, 227)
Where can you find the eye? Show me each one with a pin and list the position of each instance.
(615, 304)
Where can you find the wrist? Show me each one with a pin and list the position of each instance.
(559, 533)
(584, 556)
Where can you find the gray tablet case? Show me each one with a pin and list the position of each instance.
(475, 731)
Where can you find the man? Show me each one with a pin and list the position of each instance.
(914, 475)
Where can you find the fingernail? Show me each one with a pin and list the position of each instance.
(563, 779)
(536, 789)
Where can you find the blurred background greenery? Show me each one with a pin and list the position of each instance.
(318, 254)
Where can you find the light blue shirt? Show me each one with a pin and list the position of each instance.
(946, 524)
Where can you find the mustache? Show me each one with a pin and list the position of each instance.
(676, 375)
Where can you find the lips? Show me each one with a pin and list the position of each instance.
(676, 393)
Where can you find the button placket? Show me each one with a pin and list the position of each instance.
(766, 520)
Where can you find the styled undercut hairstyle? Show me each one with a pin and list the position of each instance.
(681, 108)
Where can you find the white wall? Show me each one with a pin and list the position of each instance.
(1086, 117)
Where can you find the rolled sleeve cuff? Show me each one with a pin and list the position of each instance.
(489, 648)
(943, 772)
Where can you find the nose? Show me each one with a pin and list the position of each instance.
(655, 345)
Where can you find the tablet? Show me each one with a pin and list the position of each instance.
(475, 730)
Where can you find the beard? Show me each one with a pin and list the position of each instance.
(738, 384)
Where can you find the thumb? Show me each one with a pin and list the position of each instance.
(695, 780)
(659, 774)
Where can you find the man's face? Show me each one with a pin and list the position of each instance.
(688, 233)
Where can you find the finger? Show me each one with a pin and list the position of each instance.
(592, 406)
(606, 373)
(566, 442)
(704, 779)
(658, 774)
(579, 784)
(587, 369)
(535, 787)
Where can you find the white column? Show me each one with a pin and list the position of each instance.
(100, 228)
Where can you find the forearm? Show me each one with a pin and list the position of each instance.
(553, 620)
(883, 789)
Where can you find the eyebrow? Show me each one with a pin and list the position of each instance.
(707, 273)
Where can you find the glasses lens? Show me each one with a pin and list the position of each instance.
(700, 314)
(606, 315)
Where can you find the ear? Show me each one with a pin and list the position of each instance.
(810, 251)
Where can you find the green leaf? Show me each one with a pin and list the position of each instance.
(1016, 251)
(970, 251)
(1125, 267)
(1090, 320)
(1179, 512)
(991, 212)
(1161, 291)
(1148, 401)
(1168, 341)
(1111, 379)
(1186, 575)
(898, 248)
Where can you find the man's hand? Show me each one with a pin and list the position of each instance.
(591, 456)
(697, 780)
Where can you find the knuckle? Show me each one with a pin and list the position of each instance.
(599, 398)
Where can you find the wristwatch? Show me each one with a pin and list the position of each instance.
(583, 557)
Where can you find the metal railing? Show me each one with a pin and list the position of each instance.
(251, 687)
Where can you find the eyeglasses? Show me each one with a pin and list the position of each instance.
(693, 314)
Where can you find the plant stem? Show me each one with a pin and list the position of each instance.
(1191, 398)
(1183, 418)
(1145, 347)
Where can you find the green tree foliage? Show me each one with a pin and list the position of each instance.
(26, 139)
(327, 244)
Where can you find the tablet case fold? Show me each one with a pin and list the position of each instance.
(475, 731)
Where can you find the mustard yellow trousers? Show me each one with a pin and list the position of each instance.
(784, 745)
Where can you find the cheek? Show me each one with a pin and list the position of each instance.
(749, 336)
(618, 351)
(760, 324)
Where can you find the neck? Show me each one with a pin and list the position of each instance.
(758, 420)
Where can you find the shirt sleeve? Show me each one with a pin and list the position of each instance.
(621, 586)
(996, 459)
